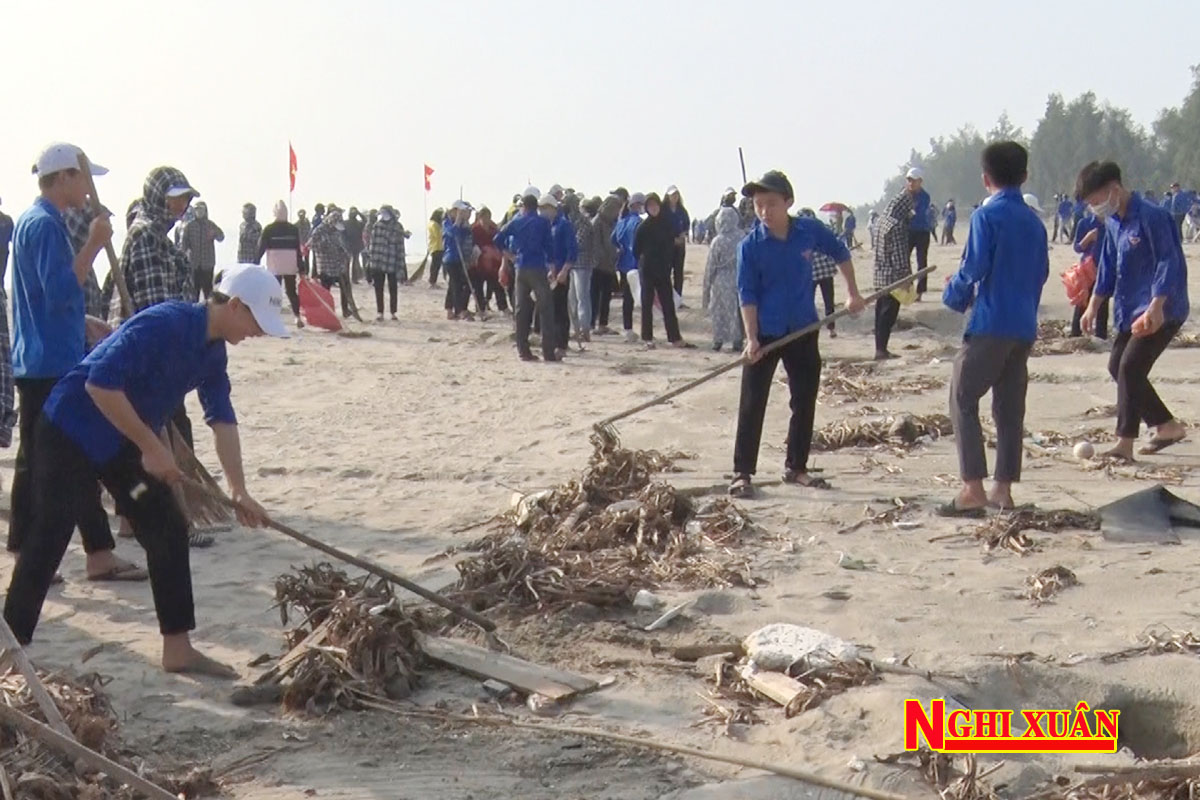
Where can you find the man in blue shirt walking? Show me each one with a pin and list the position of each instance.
(776, 289)
(1181, 204)
(528, 242)
(103, 421)
(50, 336)
(1004, 267)
(920, 229)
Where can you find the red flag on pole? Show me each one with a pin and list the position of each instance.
(292, 167)
(428, 175)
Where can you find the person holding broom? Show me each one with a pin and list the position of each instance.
(102, 422)
(776, 288)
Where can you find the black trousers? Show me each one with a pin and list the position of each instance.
(1179, 218)
(330, 281)
(435, 266)
(948, 235)
(1130, 364)
(1101, 319)
(656, 282)
(204, 283)
(677, 268)
(533, 288)
(826, 287)
(887, 311)
(458, 289)
(378, 279)
(562, 316)
(289, 286)
(626, 302)
(603, 285)
(493, 290)
(63, 485)
(478, 288)
(802, 362)
(94, 529)
(356, 267)
(919, 241)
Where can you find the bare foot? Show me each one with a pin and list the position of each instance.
(200, 664)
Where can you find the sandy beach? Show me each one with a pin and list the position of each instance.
(402, 444)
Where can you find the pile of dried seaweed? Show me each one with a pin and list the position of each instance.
(1178, 781)
(939, 772)
(855, 382)
(35, 771)
(1041, 587)
(1157, 643)
(601, 538)
(1008, 530)
(1114, 468)
(362, 642)
(819, 680)
(900, 431)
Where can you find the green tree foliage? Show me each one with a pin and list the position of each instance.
(1177, 132)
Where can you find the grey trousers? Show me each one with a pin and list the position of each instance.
(984, 364)
(533, 290)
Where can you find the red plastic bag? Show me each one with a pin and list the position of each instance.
(1079, 280)
(316, 304)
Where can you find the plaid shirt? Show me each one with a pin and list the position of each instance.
(78, 221)
(248, 238)
(822, 266)
(328, 245)
(385, 249)
(8, 406)
(155, 269)
(891, 252)
(197, 242)
(585, 242)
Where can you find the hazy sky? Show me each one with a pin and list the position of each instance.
(586, 94)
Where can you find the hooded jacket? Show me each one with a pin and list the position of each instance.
(654, 243)
(154, 268)
(249, 235)
(385, 247)
(605, 222)
(328, 245)
(197, 241)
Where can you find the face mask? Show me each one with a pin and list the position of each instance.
(1105, 209)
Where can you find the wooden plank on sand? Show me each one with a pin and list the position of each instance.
(775, 685)
(293, 656)
(14, 652)
(524, 675)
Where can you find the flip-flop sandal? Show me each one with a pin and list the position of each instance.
(806, 480)
(200, 540)
(952, 511)
(131, 573)
(1120, 458)
(741, 487)
(1157, 445)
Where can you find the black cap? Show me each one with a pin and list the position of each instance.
(773, 181)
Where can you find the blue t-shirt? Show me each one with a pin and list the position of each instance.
(48, 302)
(1004, 267)
(623, 236)
(776, 274)
(566, 247)
(1142, 258)
(155, 358)
(530, 237)
(921, 206)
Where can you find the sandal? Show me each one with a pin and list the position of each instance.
(1120, 458)
(741, 487)
(200, 540)
(1157, 445)
(805, 479)
(952, 511)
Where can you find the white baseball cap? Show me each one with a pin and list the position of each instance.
(916, 174)
(461, 205)
(672, 189)
(548, 201)
(637, 199)
(260, 292)
(1032, 201)
(531, 191)
(60, 156)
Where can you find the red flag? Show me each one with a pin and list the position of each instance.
(428, 175)
(292, 167)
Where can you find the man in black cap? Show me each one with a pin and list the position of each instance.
(776, 289)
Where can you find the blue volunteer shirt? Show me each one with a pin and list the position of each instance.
(155, 358)
(1141, 259)
(775, 275)
(850, 225)
(1181, 203)
(1065, 209)
(680, 218)
(456, 241)
(623, 236)
(566, 248)
(1004, 267)
(1086, 226)
(530, 238)
(921, 204)
(951, 216)
(48, 302)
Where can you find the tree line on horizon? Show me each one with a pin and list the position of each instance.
(1069, 135)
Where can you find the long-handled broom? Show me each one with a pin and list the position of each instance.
(200, 509)
(607, 427)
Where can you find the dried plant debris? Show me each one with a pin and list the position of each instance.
(1007, 530)
(903, 432)
(939, 771)
(1044, 585)
(1101, 411)
(1150, 781)
(857, 382)
(819, 680)
(364, 644)
(38, 772)
(1186, 340)
(1114, 469)
(600, 539)
(900, 508)
(1159, 642)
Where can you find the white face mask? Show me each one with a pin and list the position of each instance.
(1105, 209)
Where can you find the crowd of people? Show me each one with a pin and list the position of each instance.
(96, 376)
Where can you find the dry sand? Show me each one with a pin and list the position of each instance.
(388, 445)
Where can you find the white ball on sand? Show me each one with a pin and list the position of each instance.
(1084, 451)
